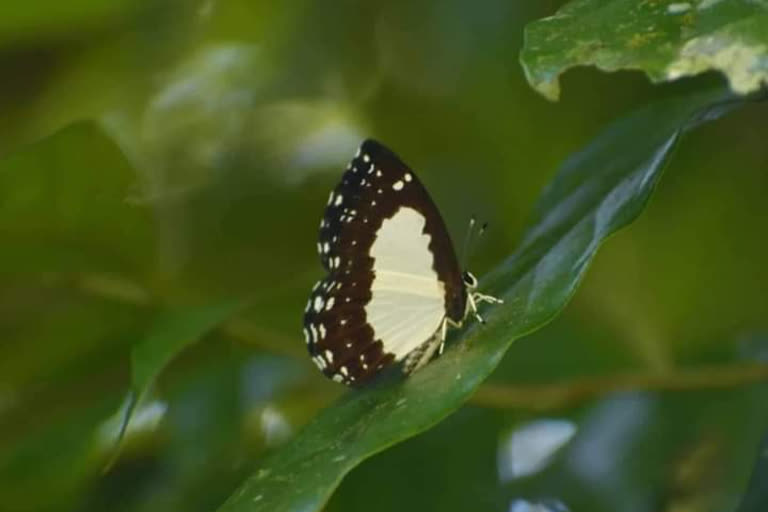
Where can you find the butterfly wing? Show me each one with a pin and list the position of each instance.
(392, 270)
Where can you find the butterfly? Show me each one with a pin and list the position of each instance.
(394, 284)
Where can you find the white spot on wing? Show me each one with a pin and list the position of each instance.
(329, 305)
(319, 303)
(398, 185)
(329, 356)
(339, 199)
(408, 177)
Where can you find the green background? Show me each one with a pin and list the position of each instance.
(163, 161)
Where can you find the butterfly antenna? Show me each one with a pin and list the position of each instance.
(467, 241)
(471, 245)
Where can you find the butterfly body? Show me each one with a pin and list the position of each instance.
(394, 283)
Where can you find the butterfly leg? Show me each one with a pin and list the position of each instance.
(422, 354)
(475, 298)
(444, 331)
(481, 297)
(472, 305)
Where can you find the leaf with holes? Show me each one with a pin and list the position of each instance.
(666, 40)
(598, 190)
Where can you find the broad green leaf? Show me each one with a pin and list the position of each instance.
(681, 439)
(170, 334)
(666, 40)
(75, 251)
(65, 207)
(599, 190)
(756, 497)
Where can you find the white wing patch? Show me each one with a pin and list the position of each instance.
(407, 298)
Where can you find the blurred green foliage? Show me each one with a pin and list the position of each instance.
(170, 156)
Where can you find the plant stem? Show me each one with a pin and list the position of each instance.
(559, 395)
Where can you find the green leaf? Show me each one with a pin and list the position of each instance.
(65, 207)
(756, 497)
(172, 332)
(75, 255)
(599, 190)
(665, 40)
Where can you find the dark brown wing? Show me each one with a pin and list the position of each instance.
(375, 186)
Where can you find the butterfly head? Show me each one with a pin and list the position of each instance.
(470, 281)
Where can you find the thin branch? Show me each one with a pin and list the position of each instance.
(123, 290)
(559, 395)
(265, 338)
